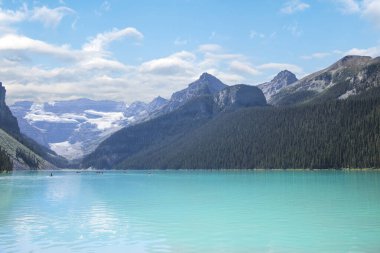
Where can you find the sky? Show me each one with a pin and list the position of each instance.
(136, 50)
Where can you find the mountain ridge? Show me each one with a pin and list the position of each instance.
(170, 126)
(214, 134)
(349, 76)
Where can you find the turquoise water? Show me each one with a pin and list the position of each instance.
(190, 211)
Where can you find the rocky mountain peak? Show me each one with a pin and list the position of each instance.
(157, 103)
(206, 85)
(158, 100)
(351, 60)
(285, 77)
(281, 80)
(206, 76)
(209, 81)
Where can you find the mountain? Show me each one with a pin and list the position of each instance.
(281, 80)
(335, 134)
(239, 96)
(74, 128)
(18, 151)
(7, 121)
(167, 128)
(205, 85)
(351, 75)
(156, 104)
(335, 125)
(20, 155)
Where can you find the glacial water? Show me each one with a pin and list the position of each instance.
(190, 211)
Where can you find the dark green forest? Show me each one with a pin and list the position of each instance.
(336, 134)
(28, 158)
(5, 161)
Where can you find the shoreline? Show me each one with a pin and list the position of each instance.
(192, 170)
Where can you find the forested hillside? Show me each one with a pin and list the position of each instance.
(169, 127)
(6, 163)
(338, 134)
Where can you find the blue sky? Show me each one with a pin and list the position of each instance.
(136, 50)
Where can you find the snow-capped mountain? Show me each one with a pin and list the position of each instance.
(74, 128)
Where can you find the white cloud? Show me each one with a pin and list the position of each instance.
(368, 9)
(318, 55)
(372, 51)
(244, 67)
(281, 66)
(18, 43)
(50, 17)
(210, 48)
(349, 6)
(91, 72)
(293, 6)
(47, 16)
(100, 42)
(11, 16)
(178, 63)
(371, 10)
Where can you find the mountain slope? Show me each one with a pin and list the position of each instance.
(270, 137)
(335, 123)
(22, 156)
(161, 131)
(14, 142)
(352, 75)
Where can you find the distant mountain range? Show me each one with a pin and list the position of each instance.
(19, 151)
(74, 128)
(212, 125)
(329, 119)
(161, 131)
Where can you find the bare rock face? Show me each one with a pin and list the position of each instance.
(281, 80)
(238, 96)
(206, 85)
(7, 121)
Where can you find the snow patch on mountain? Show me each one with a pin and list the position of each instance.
(75, 127)
(72, 150)
(105, 120)
(37, 113)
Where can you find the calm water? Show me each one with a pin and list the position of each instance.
(205, 211)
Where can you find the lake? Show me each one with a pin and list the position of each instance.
(190, 211)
